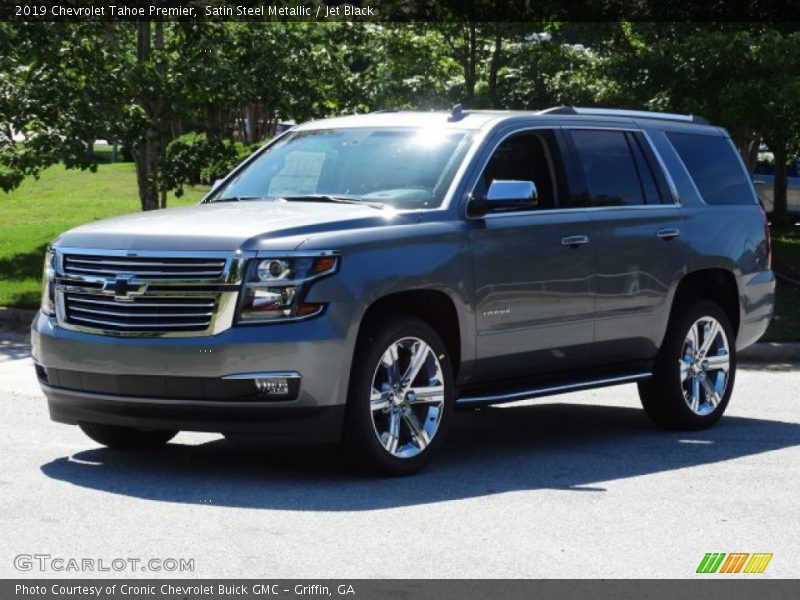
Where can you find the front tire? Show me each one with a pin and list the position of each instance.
(127, 438)
(694, 371)
(401, 397)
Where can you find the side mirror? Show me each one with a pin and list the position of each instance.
(216, 184)
(507, 194)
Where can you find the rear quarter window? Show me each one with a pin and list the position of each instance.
(714, 165)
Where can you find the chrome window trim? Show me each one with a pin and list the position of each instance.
(468, 194)
(556, 211)
(661, 164)
(676, 197)
(587, 209)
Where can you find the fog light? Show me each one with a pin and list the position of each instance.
(273, 386)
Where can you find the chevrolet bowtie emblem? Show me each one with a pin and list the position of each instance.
(123, 288)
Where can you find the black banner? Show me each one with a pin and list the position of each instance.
(361, 589)
(399, 10)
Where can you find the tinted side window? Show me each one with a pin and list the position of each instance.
(526, 157)
(713, 164)
(644, 167)
(610, 169)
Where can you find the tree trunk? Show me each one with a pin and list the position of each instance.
(779, 207)
(494, 66)
(471, 54)
(142, 42)
(145, 156)
(747, 142)
(751, 153)
(146, 152)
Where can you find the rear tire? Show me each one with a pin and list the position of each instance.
(401, 397)
(128, 438)
(695, 369)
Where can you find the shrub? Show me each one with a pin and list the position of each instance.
(193, 158)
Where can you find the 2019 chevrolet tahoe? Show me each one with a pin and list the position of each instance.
(359, 278)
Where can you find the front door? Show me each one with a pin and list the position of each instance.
(533, 268)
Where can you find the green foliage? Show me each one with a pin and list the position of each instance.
(194, 158)
(41, 209)
(62, 85)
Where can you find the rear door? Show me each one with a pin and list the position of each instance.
(636, 228)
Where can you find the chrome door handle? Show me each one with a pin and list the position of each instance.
(668, 234)
(574, 240)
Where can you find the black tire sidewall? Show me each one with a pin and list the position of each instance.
(666, 384)
(360, 437)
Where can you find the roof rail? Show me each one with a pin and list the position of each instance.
(613, 112)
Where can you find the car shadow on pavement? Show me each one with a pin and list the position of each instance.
(573, 447)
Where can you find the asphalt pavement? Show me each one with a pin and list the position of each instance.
(579, 485)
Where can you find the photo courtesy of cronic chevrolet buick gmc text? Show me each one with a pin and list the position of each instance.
(359, 278)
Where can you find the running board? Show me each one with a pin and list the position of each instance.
(536, 392)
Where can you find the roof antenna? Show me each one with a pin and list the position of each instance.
(456, 113)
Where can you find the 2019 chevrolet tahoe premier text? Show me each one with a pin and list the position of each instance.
(359, 278)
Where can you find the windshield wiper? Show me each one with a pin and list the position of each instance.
(238, 199)
(336, 199)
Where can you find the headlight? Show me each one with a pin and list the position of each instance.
(274, 288)
(48, 283)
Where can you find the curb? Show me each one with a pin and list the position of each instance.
(787, 279)
(772, 352)
(16, 316)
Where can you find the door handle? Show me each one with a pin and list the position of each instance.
(574, 240)
(668, 234)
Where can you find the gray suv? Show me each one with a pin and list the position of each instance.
(360, 278)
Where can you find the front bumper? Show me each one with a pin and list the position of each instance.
(185, 383)
(288, 423)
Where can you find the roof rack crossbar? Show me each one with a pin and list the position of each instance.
(613, 112)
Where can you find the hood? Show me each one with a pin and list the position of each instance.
(248, 225)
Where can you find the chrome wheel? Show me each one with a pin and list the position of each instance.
(407, 398)
(704, 365)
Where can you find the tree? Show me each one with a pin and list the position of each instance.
(56, 92)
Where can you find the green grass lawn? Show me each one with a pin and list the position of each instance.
(785, 326)
(786, 251)
(60, 199)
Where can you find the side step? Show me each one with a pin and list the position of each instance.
(535, 392)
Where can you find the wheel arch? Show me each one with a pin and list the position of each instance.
(433, 306)
(714, 283)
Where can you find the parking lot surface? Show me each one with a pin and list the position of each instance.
(579, 485)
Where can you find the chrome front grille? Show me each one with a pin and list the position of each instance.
(153, 314)
(138, 293)
(183, 268)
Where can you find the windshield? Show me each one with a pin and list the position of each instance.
(403, 168)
